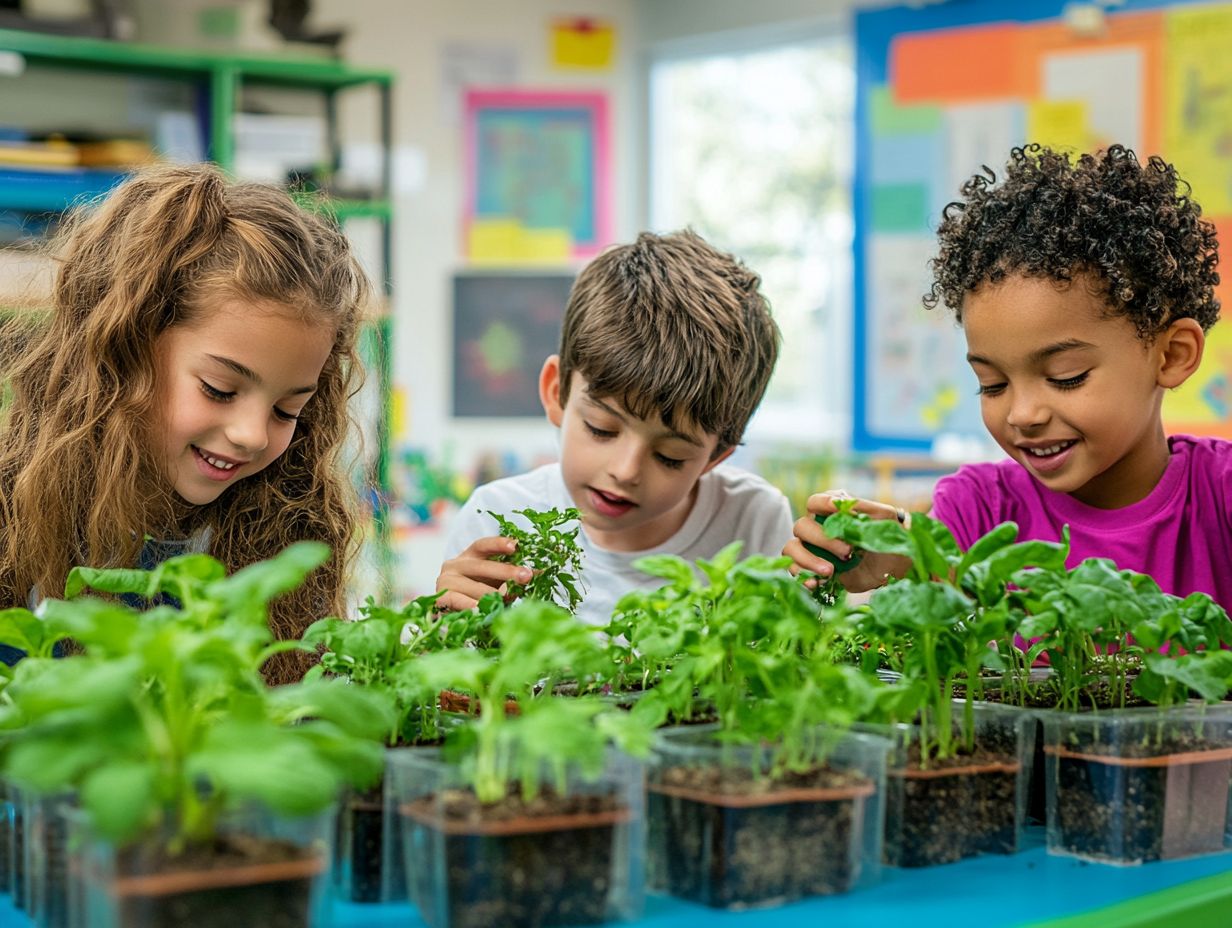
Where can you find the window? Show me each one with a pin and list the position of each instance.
(752, 148)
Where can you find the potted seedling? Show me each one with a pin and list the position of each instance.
(204, 796)
(549, 547)
(23, 872)
(376, 652)
(958, 782)
(1133, 785)
(649, 627)
(774, 801)
(528, 818)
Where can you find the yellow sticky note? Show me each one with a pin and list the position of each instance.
(1206, 398)
(397, 415)
(1197, 104)
(494, 240)
(545, 245)
(1060, 124)
(582, 43)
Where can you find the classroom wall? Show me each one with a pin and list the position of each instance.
(415, 40)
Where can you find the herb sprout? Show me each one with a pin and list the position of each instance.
(550, 550)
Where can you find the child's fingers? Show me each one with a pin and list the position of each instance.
(453, 601)
(494, 573)
(823, 504)
(490, 547)
(809, 531)
(803, 559)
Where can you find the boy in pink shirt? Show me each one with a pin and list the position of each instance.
(1085, 291)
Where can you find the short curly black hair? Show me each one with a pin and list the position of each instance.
(1130, 225)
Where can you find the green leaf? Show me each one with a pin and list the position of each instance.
(249, 761)
(109, 580)
(670, 567)
(20, 628)
(249, 590)
(120, 799)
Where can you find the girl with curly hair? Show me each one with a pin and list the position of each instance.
(188, 391)
(1085, 290)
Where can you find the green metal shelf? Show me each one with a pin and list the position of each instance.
(103, 54)
(343, 209)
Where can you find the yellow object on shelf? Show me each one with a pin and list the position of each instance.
(39, 154)
(114, 153)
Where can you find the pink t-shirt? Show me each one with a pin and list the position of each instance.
(1180, 534)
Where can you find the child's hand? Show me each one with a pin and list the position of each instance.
(473, 573)
(872, 569)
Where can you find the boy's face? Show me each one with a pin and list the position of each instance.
(633, 479)
(231, 386)
(1071, 393)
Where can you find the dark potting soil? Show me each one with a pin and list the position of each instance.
(207, 886)
(956, 808)
(1045, 695)
(728, 840)
(1138, 813)
(547, 862)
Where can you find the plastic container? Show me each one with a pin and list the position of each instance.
(368, 863)
(723, 835)
(261, 869)
(573, 858)
(1135, 785)
(6, 830)
(16, 841)
(963, 807)
(45, 869)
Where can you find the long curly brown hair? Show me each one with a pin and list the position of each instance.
(77, 482)
(1134, 227)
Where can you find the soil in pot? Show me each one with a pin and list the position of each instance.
(953, 809)
(731, 841)
(236, 880)
(546, 862)
(1169, 802)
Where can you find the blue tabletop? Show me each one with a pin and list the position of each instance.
(991, 892)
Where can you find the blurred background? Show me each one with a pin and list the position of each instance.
(478, 152)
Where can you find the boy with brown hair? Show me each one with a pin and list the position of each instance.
(666, 350)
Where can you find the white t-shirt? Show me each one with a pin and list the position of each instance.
(731, 505)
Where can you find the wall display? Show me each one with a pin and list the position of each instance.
(504, 326)
(537, 176)
(946, 89)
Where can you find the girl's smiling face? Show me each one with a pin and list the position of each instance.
(1071, 392)
(231, 386)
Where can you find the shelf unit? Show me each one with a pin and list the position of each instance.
(217, 79)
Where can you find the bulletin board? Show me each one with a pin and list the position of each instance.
(538, 167)
(504, 327)
(944, 89)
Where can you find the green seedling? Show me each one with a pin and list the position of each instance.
(550, 550)
(744, 639)
(535, 745)
(374, 651)
(163, 724)
(942, 617)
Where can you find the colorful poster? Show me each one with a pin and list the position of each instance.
(537, 178)
(948, 91)
(504, 326)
